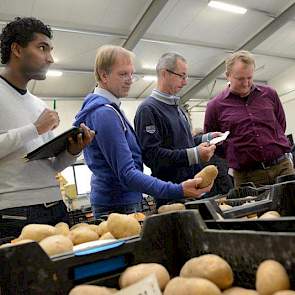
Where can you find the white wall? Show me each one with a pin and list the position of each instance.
(67, 109)
(285, 86)
(197, 118)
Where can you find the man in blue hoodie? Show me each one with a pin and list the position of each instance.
(114, 156)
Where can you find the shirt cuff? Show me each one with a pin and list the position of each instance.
(193, 156)
(207, 137)
(28, 132)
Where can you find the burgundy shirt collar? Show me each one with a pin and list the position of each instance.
(253, 87)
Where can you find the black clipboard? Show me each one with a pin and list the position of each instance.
(55, 146)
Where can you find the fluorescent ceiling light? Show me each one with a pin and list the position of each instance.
(54, 73)
(149, 66)
(227, 7)
(150, 78)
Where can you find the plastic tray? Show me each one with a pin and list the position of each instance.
(170, 239)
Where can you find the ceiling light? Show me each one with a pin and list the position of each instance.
(149, 66)
(54, 73)
(150, 78)
(227, 7)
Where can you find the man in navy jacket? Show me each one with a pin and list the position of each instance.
(163, 129)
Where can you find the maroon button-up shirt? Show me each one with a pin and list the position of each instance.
(256, 123)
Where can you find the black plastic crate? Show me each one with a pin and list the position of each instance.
(80, 216)
(283, 198)
(284, 178)
(170, 239)
(240, 198)
(245, 191)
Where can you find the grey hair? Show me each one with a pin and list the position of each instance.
(168, 61)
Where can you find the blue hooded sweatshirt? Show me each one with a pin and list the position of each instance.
(114, 157)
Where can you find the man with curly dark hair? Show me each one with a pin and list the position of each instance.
(29, 192)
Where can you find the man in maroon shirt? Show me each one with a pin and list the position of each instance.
(257, 148)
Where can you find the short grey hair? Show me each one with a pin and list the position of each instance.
(168, 61)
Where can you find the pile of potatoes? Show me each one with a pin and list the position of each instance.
(60, 238)
(204, 275)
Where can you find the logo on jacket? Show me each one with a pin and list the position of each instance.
(150, 129)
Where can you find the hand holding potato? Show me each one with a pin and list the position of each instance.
(191, 187)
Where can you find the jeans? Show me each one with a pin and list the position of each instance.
(12, 220)
(100, 211)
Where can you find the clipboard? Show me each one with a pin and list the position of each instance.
(55, 146)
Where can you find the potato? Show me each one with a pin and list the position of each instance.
(62, 228)
(102, 228)
(82, 235)
(271, 276)
(191, 286)
(239, 291)
(6, 245)
(285, 292)
(82, 224)
(138, 272)
(171, 207)
(37, 232)
(56, 245)
(94, 227)
(92, 290)
(208, 174)
(270, 215)
(122, 226)
(211, 267)
(107, 236)
(24, 241)
(138, 216)
(225, 207)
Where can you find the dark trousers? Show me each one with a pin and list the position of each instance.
(261, 177)
(12, 220)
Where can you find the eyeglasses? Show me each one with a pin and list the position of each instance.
(182, 76)
(127, 77)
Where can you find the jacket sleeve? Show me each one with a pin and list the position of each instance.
(14, 139)
(111, 139)
(152, 143)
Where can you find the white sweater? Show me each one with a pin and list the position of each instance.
(25, 183)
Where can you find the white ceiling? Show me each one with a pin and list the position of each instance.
(205, 36)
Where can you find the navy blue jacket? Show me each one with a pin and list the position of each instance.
(164, 134)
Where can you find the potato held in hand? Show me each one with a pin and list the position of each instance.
(123, 226)
(208, 174)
